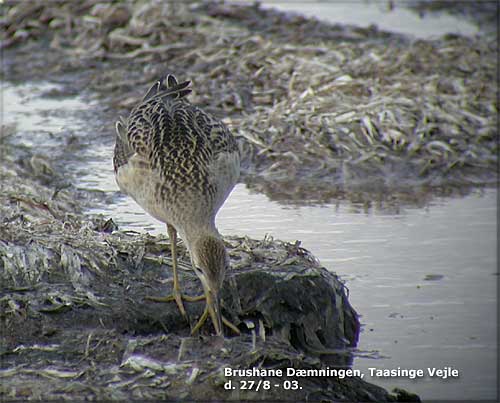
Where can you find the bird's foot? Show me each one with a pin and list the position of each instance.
(204, 317)
(177, 297)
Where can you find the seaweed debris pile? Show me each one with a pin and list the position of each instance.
(320, 110)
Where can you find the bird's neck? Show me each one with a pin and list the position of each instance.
(191, 235)
(192, 240)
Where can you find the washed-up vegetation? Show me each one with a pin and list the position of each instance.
(319, 110)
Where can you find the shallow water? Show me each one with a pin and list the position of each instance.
(424, 279)
(399, 19)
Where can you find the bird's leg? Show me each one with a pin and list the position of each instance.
(230, 325)
(201, 321)
(204, 317)
(172, 234)
(212, 309)
(176, 295)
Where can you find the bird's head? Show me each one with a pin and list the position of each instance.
(210, 261)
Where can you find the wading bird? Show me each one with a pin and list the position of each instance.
(179, 164)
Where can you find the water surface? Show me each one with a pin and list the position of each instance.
(398, 19)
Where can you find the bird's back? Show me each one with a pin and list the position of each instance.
(177, 161)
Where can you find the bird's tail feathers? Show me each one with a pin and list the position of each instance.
(121, 129)
(123, 151)
(122, 142)
(168, 87)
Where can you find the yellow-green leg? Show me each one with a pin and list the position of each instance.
(203, 319)
(177, 294)
(212, 309)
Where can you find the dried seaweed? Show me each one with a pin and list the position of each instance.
(312, 105)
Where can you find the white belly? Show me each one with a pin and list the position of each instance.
(140, 183)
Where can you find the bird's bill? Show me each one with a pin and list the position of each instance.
(213, 307)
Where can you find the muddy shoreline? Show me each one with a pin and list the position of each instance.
(352, 96)
(75, 324)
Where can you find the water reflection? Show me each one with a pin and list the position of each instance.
(35, 108)
(397, 18)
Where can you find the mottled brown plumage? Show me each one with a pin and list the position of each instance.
(180, 164)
